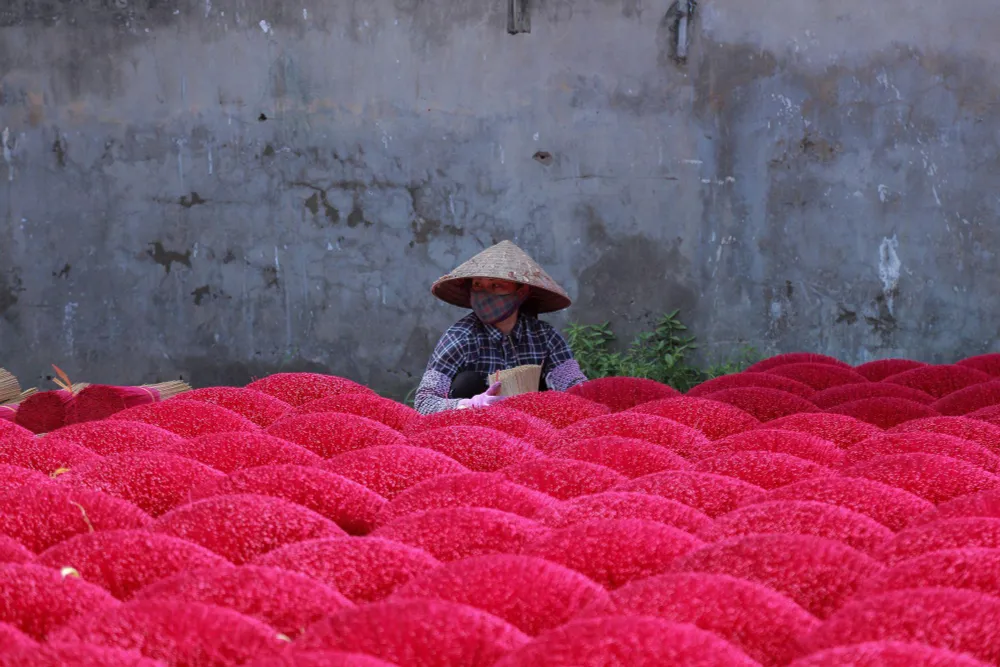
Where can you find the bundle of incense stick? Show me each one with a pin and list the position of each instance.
(520, 380)
(99, 401)
(10, 388)
(20, 397)
(10, 404)
(45, 411)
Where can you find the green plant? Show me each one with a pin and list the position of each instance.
(411, 397)
(661, 354)
(747, 358)
(591, 345)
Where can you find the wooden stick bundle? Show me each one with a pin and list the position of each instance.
(520, 380)
(100, 401)
(10, 388)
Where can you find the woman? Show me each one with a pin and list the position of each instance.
(505, 289)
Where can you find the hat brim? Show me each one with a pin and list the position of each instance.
(503, 261)
(457, 292)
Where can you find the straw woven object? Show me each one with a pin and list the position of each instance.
(10, 388)
(165, 390)
(516, 381)
(504, 261)
(23, 395)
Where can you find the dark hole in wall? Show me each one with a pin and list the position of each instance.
(518, 17)
(544, 157)
(677, 11)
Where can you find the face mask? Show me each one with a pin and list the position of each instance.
(495, 308)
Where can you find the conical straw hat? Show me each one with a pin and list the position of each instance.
(504, 261)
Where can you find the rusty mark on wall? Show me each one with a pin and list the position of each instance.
(194, 199)
(199, 294)
(818, 148)
(846, 315)
(166, 258)
(357, 216)
(59, 150)
(881, 318)
(424, 230)
(318, 200)
(270, 277)
(9, 290)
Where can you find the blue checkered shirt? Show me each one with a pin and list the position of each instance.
(470, 345)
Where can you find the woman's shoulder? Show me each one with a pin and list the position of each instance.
(467, 326)
(537, 325)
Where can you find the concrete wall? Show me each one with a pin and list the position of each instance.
(217, 189)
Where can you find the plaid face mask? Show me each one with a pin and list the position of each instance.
(495, 308)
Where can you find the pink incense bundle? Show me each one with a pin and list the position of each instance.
(987, 363)
(794, 358)
(8, 413)
(45, 411)
(876, 371)
(100, 401)
(13, 436)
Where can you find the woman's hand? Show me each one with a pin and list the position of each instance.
(484, 400)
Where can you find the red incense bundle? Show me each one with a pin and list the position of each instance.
(8, 413)
(8, 409)
(45, 411)
(100, 401)
(48, 410)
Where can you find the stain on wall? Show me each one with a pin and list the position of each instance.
(220, 189)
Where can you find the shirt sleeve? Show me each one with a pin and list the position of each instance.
(446, 361)
(560, 369)
(432, 394)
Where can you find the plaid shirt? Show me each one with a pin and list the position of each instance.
(470, 345)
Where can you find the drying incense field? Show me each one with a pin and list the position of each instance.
(804, 512)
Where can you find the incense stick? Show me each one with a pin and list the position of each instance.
(10, 388)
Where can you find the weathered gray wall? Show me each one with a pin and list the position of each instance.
(819, 176)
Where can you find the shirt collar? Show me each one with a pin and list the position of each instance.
(515, 334)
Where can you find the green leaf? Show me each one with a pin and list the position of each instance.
(661, 354)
